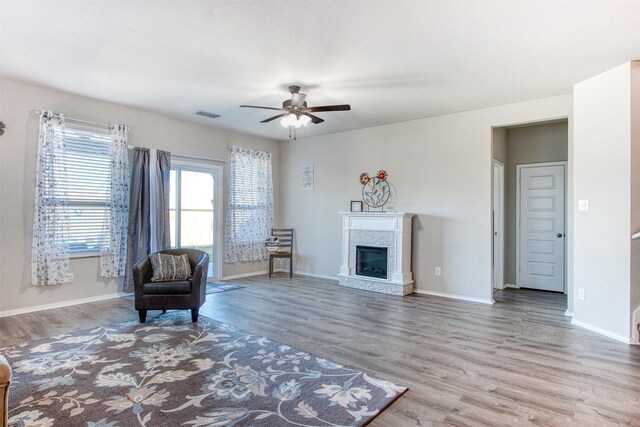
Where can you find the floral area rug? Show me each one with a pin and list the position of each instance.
(216, 287)
(171, 372)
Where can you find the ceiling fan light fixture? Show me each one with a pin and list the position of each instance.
(288, 120)
(305, 120)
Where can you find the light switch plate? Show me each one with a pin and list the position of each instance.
(583, 205)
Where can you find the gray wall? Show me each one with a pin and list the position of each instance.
(527, 144)
(439, 169)
(500, 145)
(18, 147)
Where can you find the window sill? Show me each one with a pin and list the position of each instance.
(82, 256)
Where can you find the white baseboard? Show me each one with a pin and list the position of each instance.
(319, 276)
(511, 285)
(601, 331)
(305, 273)
(568, 313)
(278, 270)
(453, 296)
(62, 304)
(240, 276)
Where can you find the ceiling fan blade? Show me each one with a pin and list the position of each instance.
(264, 108)
(314, 119)
(273, 118)
(343, 107)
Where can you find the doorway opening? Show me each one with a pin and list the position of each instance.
(529, 254)
(195, 210)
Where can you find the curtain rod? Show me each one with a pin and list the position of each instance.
(185, 156)
(86, 122)
(211, 159)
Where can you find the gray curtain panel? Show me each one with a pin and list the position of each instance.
(161, 206)
(139, 240)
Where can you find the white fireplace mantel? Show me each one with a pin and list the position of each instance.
(381, 229)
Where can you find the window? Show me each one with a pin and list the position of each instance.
(88, 166)
(250, 206)
(81, 199)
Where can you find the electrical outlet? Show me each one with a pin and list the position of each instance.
(438, 271)
(581, 294)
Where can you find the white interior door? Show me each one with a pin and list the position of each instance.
(498, 225)
(541, 227)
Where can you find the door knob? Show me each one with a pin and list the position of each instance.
(559, 234)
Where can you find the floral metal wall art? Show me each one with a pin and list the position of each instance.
(375, 190)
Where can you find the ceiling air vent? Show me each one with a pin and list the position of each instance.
(207, 114)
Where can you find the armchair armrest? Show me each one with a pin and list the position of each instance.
(142, 273)
(200, 270)
(199, 281)
(143, 269)
(5, 380)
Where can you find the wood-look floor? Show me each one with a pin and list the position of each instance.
(517, 362)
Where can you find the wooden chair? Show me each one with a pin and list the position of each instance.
(285, 249)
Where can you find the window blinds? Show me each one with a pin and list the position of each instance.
(88, 167)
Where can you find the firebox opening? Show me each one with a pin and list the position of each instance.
(371, 261)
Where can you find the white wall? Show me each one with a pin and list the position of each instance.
(602, 168)
(439, 168)
(18, 148)
(635, 195)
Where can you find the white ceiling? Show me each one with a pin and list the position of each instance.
(391, 60)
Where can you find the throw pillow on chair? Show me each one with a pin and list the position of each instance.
(169, 267)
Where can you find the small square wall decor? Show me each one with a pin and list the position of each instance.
(356, 206)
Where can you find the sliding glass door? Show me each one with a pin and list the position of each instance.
(195, 210)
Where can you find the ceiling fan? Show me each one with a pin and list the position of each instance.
(295, 113)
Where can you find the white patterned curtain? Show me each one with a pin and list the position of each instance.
(249, 216)
(50, 247)
(113, 256)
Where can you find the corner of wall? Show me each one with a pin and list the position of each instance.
(602, 174)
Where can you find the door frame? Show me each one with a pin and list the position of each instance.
(218, 188)
(498, 252)
(519, 219)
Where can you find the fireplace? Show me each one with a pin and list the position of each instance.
(376, 252)
(371, 261)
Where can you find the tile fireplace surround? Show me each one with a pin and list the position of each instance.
(391, 230)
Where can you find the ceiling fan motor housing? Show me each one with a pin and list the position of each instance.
(290, 105)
